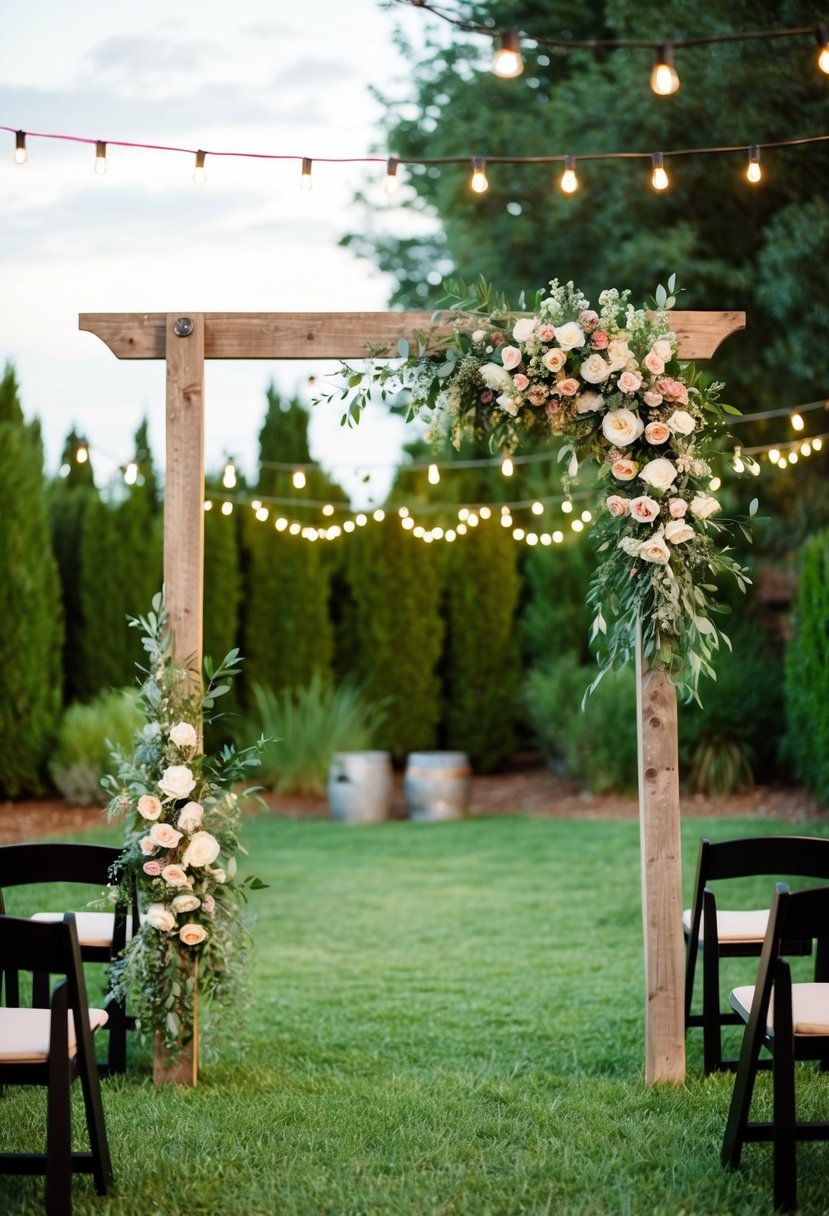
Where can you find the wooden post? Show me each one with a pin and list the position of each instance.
(660, 845)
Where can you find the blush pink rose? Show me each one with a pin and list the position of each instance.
(674, 390)
(537, 395)
(599, 340)
(147, 845)
(568, 387)
(192, 935)
(677, 508)
(644, 509)
(629, 382)
(510, 357)
(653, 363)
(624, 469)
(153, 868)
(657, 432)
(588, 320)
(149, 807)
(651, 398)
(175, 876)
(164, 835)
(546, 332)
(617, 505)
(520, 381)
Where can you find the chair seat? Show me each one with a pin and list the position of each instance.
(94, 928)
(810, 1007)
(737, 926)
(24, 1034)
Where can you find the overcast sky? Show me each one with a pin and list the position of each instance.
(250, 76)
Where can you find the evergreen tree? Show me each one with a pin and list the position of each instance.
(807, 662)
(30, 607)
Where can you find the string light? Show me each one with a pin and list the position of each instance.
(664, 77)
(305, 174)
(208, 505)
(100, 157)
(392, 180)
(131, 473)
(507, 62)
(434, 475)
(82, 452)
(507, 466)
(479, 181)
(737, 462)
(822, 36)
(298, 479)
(753, 171)
(200, 173)
(659, 178)
(569, 182)
(537, 508)
(797, 422)
(774, 455)
(229, 475)
(262, 514)
(567, 506)
(20, 154)
(227, 508)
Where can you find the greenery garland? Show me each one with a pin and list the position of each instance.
(606, 385)
(182, 836)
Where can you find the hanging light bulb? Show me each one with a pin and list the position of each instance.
(379, 515)
(208, 505)
(737, 462)
(100, 157)
(567, 507)
(797, 422)
(507, 466)
(569, 182)
(131, 473)
(507, 62)
(298, 479)
(479, 181)
(774, 455)
(664, 77)
(82, 452)
(817, 444)
(392, 180)
(229, 475)
(227, 508)
(822, 36)
(434, 475)
(806, 448)
(537, 508)
(659, 178)
(20, 154)
(305, 174)
(200, 173)
(754, 172)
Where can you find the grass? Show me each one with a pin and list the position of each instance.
(446, 1018)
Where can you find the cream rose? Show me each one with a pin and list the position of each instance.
(651, 398)
(629, 382)
(618, 354)
(523, 329)
(655, 550)
(589, 402)
(510, 357)
(677, 531)
(177, 781)
(594, 370)
(217, 874)
(682, 423)
(644, 509)
(677, 508)
(186, 902)
(520, 381)
(174, 876)
(164, 835)
(202, 850)
(662, 349)
(653, 363)
(659, 473)
(192, 935)
(147, 846)
(568, 387)
(657, 432)
(478, 336)
(617, 505)
(149, 807)
(622, 427)
(159, 918)
(191, 817)
(624, 470)
(507, 403)
(570, 335)
(183, 735)
(703, 506)
(495, 377)
(554, 360)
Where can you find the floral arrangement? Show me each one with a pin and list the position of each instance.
(603, 384)
(182, 822)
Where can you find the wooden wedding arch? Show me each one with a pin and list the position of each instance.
(184, 341)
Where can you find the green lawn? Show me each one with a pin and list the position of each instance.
(444, 1018)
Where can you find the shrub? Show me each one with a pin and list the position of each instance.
(807, 661)
(595, 745)
(85, 736)
(310, 724)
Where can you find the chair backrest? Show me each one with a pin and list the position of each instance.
(801, 856)
(21, 864)
(794, 915)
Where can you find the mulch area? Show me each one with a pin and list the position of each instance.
(527, 788)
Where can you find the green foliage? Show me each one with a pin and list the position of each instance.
(555, 619)
(807, 662)
(82, 748)
(68, 500)
(481, 662)
(307, 726)
(596, 744)
(30, 607)
(221, 601)
(397, 632)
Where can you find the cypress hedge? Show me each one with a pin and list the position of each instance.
(807, 670)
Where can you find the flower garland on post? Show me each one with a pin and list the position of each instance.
(603, 384)
(182, 836)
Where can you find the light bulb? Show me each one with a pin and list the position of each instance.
(379, 515)
(100, 157)
(507, 62)
(208, 505)
(797, 422)
(518, 533)
(298, 479)
(229, 475)
(737, 462)
(280, 524)
(664, 77)
(328, 509)
(434, 475)
(262, 514)
(305, 175)
(659, 178)
(586, 516)
(754, 172)
(817, 444)
(484, 512)
(20, 154)
(774, 455)
(806, 449)
(714, 484)
(792, 457)
(479, 181)
(131, 473)
(567, 506)
(507, 466)
(392, 181)
(537, 508)
(506, 521)
(82, 453)
(558, 537)
(577, 525)
(200, 173)
(822, 36)
(569, 182)
(227, 508)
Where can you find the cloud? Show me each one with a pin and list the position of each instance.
(140, 58)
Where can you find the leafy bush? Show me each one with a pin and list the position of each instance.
(82, 751)
(595, 745)
(310, 724)
(807, 661)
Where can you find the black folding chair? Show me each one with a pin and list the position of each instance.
(792, 1022)
(717, 933)
(52, 1047)
(102, 935)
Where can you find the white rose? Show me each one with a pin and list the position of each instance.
(177, 781)
(677, 532)
(183, 735)
(589, 402)
(677, 507)
(659, 473)
(146, 846)
(192, 935)
(569, 336)
(594, 370)
(159, 918)
(703, 505)
(644, 509)
(523, 329)
(478, 336)
(655, 550)
(622, 427)
(682, 423)
(164, 835)
(495, 377)
(618, 354)
(507, 403)
(191, 817)
(202, 850)
(186, 902)
(663, 349)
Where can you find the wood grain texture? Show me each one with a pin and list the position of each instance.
(659, 838)
(334, 335)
